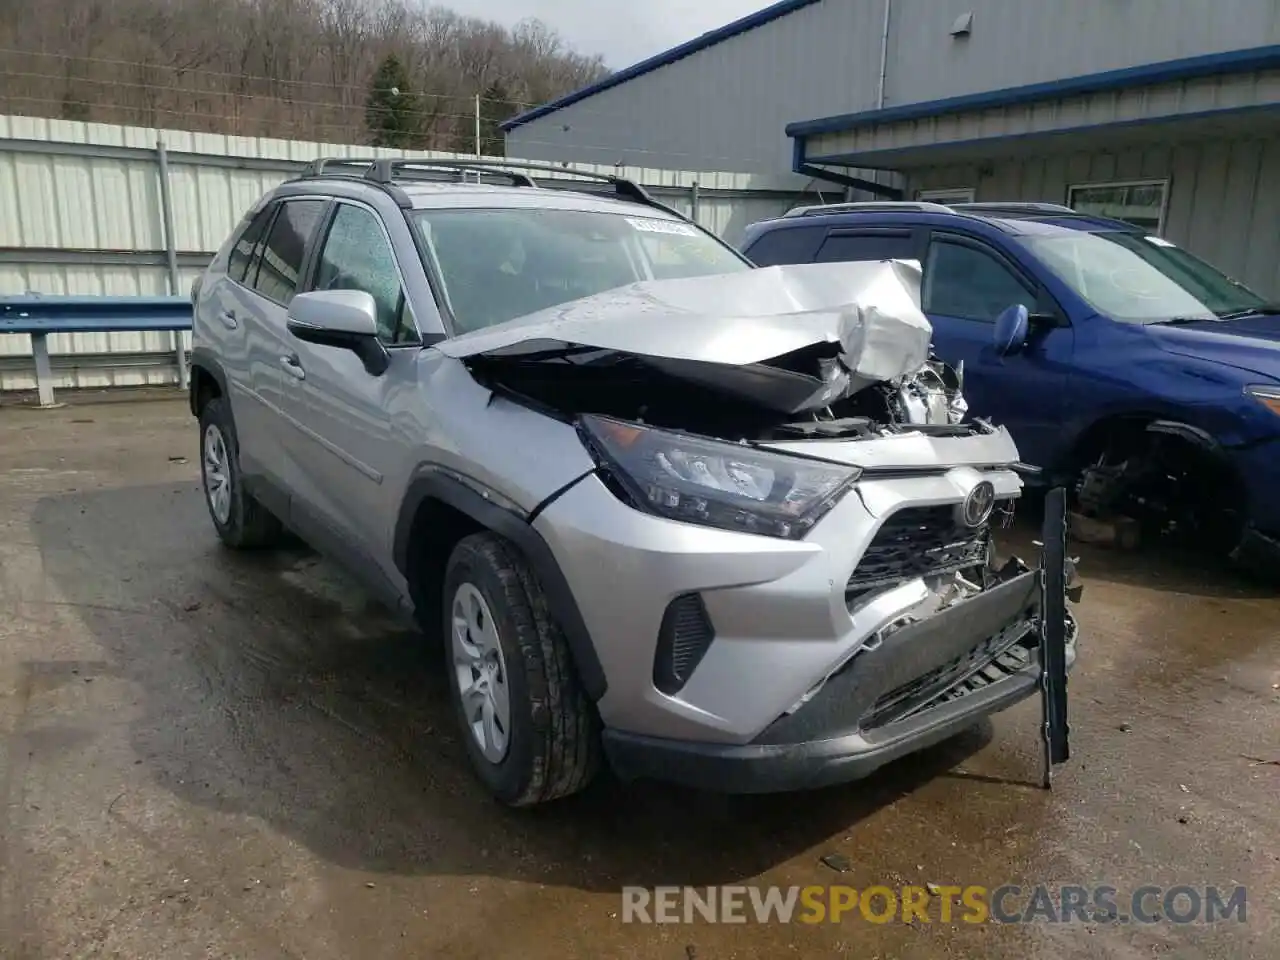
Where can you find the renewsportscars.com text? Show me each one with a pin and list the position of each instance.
(1009, 903)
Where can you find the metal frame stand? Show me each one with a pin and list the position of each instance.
(1053, 634)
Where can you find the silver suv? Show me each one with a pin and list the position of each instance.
(720, 525)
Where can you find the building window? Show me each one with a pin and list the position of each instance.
(1140, 202)
(953, 195)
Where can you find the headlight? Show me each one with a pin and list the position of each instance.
(726, 485)
(1268, 396)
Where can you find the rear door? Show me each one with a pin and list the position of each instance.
(270, 282)
(226, 319)
(967, 283)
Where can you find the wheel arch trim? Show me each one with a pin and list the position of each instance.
(494, 512)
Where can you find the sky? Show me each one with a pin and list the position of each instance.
(622, 31)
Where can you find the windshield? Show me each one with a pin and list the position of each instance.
(497, 265)
(1139, 278)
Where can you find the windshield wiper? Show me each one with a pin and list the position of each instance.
(1179, 321)
(1262, 310)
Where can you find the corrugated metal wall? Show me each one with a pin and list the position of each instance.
(1223, 202)
(1017, 42)
(80, 213)
(726, 107)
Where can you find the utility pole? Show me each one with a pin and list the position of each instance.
(477, 126)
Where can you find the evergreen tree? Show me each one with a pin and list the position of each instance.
(391, 109)
(495, 107)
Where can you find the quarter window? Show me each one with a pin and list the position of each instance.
(278, 266)
(356, 256)
(962, 281)
(242, 251)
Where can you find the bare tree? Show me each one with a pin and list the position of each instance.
(284, 68)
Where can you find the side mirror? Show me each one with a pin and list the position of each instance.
(343, 319)
(1010, 333)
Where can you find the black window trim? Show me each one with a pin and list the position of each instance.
(322, 237)
(812, 229)
(916, 236)
(308, 253)
(272, 210)
(1045, 301)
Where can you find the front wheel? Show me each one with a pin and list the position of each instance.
(530, 732)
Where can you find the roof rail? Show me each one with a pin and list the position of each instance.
(1013, 207)
(385, 171)
(390, 169)
(921, 206)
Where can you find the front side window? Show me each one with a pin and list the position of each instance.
(500, 264)
(278, 266)
(963, 281)
(357, 256)
(1137, 278)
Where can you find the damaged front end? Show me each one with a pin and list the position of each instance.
(756, 402)
(827, 350)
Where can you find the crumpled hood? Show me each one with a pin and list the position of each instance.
(868, 313)
(1251, 344)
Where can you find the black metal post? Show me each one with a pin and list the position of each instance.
(1053, 632)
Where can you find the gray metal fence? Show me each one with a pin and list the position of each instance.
(99, 209)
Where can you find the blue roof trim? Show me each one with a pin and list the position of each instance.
(1190, 68)
(866, 160)
(750, 22)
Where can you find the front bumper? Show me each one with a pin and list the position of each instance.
(785, 616)
(845, 733)
(1258, 467)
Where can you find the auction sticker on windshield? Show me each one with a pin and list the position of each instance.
(663, 226)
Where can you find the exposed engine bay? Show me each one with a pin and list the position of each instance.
(812, 351)
(572, 381)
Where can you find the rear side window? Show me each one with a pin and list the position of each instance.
(279, 263)
(859, 247)
(786, 245)
(242, 252)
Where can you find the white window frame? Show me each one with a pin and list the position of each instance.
(947, 196)
(1161, 182)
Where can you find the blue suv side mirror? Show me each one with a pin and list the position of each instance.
(1010, 334)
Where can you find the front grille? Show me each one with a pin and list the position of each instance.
(991, 661)
(918, 542)
(683, 639)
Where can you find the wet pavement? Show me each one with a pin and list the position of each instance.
(213, 755)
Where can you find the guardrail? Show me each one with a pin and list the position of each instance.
(39, 316)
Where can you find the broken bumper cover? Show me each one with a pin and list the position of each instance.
(927, 682)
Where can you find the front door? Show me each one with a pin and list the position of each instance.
(344, 447)
(967, 284)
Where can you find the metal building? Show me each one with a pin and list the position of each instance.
(1163, 112)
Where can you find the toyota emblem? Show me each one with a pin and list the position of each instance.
(977, 506)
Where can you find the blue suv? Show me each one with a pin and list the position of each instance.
(1124, 366)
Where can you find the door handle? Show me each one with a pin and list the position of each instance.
(293, 367)
(229, 320)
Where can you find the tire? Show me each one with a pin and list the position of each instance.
(241, 521)
(552, 734)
